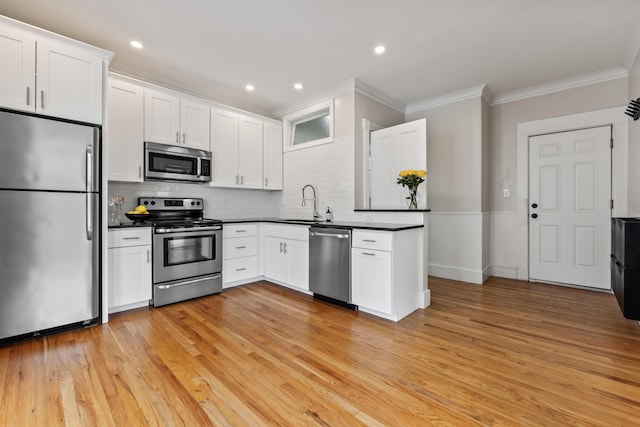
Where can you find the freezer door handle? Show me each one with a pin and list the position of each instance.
(89, 195)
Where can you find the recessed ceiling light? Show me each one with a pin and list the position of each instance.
(249, 87)
(136, 44)
(297, 86)
(379, 49)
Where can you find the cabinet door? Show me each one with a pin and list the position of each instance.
(224, 147)
(371, 279)
(69, 82)
(272, 145)
(274, 266)
(297, 263)
(129, 275)
(194, 124)
(18, 70)
(250, 152)
(161, 117)
(125, 144)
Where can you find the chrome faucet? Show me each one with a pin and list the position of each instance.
(316, 215)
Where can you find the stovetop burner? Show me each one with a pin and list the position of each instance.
(176, 212)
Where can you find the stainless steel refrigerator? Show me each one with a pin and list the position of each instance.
(49, 225)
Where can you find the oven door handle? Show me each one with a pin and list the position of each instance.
(182, 229)
(189, 282)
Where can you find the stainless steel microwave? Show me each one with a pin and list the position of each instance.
(173, 163)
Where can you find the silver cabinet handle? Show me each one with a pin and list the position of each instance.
(368, 240)
(241, 179)
(41, 99)
(285, 248)
(177, 137)
(131, 238)
(241, 247)
(241, 231)
(28, 95)
(266, 182)
(368, 253)
(184, 137)
(237, 179)
(148, 256)
(139, 171)
(241, 269)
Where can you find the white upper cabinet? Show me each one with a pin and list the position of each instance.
(69, 77)
(250, 152)
(125, 131)
(171, 119)
(224, 147)
(161, 117)
(17, 74)
(272, 146)
(194, 124)
(237, 146)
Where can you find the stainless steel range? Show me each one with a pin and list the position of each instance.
(187, 250)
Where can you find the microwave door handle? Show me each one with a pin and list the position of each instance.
(199, 167)
(174, 169)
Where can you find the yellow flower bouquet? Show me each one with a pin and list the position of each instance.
(411, 179)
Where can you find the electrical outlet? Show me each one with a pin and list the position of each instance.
(507, 193)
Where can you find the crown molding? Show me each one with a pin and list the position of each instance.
(450, 98)
(560, 85)
(379, 96)
(351, 85)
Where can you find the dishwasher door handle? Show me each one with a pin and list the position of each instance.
(338, 236)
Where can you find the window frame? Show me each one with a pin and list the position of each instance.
(302, 116)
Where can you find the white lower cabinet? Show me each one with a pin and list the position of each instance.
(240, 254)
(129, 263)
(386, 272)
(286, 255)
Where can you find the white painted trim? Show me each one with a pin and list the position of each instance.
(424, 298)
(367, 127)
(290, 120)
(560, 85)
(457, 273)
(450, 98)
(611, 116)
(375, 94)
(505, 272)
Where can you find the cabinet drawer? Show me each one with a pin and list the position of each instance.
(293, 232)
(240, 230)
(379, 240)
(239, 269)
(129, 237)
(239, 247)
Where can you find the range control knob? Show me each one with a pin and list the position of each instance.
(153, 202)
(193, 203)
(146, 202)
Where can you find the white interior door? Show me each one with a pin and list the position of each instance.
(569, 207)
(394, 149)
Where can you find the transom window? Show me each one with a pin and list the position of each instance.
(309, 127)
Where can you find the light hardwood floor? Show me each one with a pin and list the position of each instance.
(507, 353)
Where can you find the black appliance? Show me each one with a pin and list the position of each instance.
(625, 265)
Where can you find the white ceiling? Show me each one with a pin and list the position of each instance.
(434, 47)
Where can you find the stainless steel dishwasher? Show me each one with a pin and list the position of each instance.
(330, 263)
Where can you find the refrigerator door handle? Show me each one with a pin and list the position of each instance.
(89, 170)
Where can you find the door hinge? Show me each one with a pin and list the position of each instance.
(611, 142)
(612, 204)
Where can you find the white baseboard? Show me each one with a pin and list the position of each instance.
(456, 273)
(424, 298)
(505, 272)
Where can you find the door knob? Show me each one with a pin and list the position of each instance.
(534, 215)
(535, 205)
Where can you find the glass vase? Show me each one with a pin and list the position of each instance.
(412, 199)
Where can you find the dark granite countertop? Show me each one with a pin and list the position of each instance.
(129, 225)
(336, 224)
